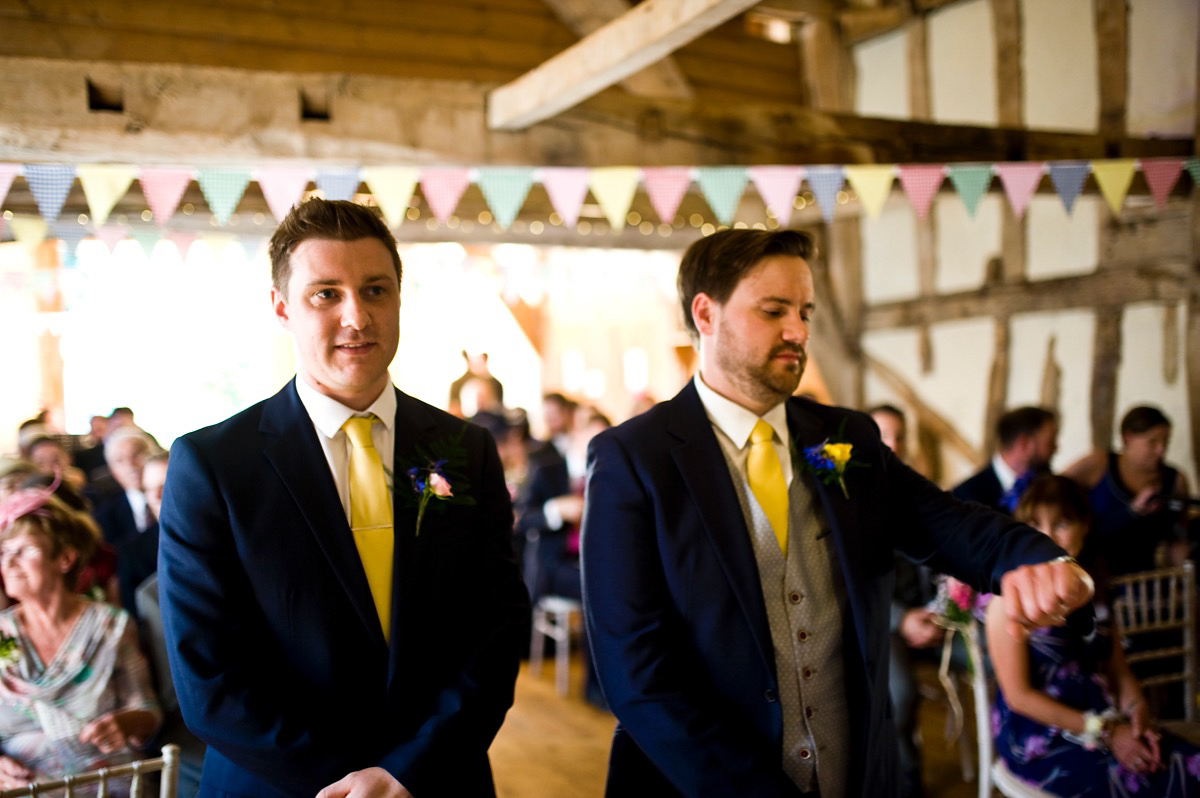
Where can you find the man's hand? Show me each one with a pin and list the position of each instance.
(369, 783)
(1043, 595)
(918, 629)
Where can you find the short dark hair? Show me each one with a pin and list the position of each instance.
(332, 220)
(554, 397)
(1143, 419)
(1053, 490)
(715, 264)
(1020, 422)
(889, 409)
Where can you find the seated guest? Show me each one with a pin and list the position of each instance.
(1131, 493)
(1026, 440)
(125, 515)
(1070, 716)
(75, 691)
(137, 558)
(50, 457)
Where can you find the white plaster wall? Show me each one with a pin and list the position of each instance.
(962, 64)
(881, 66)
(1162, 67)
(964, 245)
(1058, 61)
(20, 399)
(1060, 244)
(890, 254)
(1073, 332)
(1140, 379)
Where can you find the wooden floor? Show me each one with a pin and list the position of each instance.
(557, 747)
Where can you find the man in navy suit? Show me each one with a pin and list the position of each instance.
(1026, 440)
(281, 658)
(743, 662)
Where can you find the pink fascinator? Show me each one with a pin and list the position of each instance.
(26, 502)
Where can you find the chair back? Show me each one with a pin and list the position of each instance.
(1160, 601)
(167, 764)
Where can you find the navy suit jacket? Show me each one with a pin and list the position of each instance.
(674, 606)
(276, 651)
(983, 487)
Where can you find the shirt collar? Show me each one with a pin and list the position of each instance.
(1004, 473)
(736, 421)
(328, 414)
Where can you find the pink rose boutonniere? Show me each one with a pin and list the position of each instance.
(437, 476)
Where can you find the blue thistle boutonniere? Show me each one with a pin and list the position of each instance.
(436, 475)
(828, 461)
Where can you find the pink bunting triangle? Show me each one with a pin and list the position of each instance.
(282, 187)
(111, 235)
(665, 186)
(567, 187)
(1161, 175)
(443, 188)
(183, 241)
(921, 183)
(164, 189)
(778, 187)
(1020, 181)
(7, 172)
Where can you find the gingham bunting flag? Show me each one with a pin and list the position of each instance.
(164, 189)
(1193, 167)
(223, 190)
(111, 235)
(826, 182)
(392, 187)
(183, 241)
(614, 187)
(872, 183)
(30, 230)
(505, 189)
(7, 172)
(103, 185)
(443, 187)
(722, 187)
(148, 237)
(971, 181)
(778, 187)
(921, 182)
(567, 187)
(1161, 176)
(1114, 178)
(338, 184)
(665, 187)
(1068, 177)
(282, 187)
(50, 184)
(1020, 180)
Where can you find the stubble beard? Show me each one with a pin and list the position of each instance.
(769, 382)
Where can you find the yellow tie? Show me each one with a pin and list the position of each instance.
(371, 516)
(766, 480)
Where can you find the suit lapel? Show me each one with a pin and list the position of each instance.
(702, 466)
(295, 453)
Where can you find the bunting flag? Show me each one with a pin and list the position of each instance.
(443, 187)
(921, 183)
(1114, 178)
(826, 182)
(30, 230)
(111, 235)
(1161, 175)
(872, 183)
(614, 187)
(665, 187)
(222, 245)
(282, 187)
(223, 190)
(722, 187)
(103, 185)
(971, 182)
(183, 241)
(505, 189)
(164, 189)
(567, 187)
(1193, 167)
(148, 237)
(1020, 180)
(70, 234)
(7, 172)
(1068, 177)
(393, 187)
(778, 187)
(50, 184)
(338, 184)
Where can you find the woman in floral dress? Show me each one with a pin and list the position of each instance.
(1070, 717)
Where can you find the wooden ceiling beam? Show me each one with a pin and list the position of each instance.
(663, 79)
(645, 34)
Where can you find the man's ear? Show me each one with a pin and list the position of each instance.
(704, 310)
(279, 304)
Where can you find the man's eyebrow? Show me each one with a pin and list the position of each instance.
(785, 301)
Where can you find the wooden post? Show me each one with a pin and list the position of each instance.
(1006, 16)
(1112, 44)
(920, 103)
(1192, 344)
(837, 325)
(1106, 360)
(997, 384)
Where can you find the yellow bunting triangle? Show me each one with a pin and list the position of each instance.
(872, 183)
(393, 189)
(30, 230)
(614, 187)
(1114, 178)
(103, 185)
(221, 244)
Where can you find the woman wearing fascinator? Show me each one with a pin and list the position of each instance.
(75, 691)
